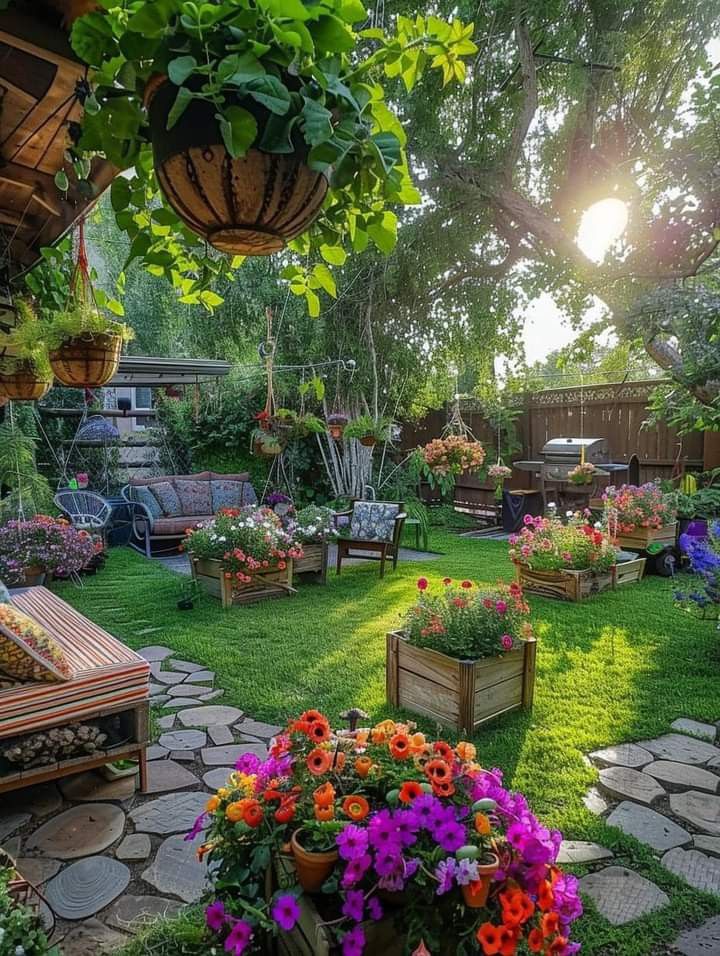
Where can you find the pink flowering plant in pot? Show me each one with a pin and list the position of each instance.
(467, 622)
(548, 544)
(638, 506)
(443, 459)
(51, 545)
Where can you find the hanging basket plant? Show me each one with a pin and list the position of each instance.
(25, 373)
(368, 430)
(22, 380)
(336, 425)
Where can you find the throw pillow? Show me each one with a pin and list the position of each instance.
(167, 498)
(227, 494)
(195, 496)
(143, 494)
(373, 520)
(27, 652)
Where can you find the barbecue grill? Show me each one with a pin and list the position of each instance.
(561, 455)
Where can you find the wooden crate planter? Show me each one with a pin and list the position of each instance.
(565, 585)
(313, 564)
(640, 538)
(459, 694)
(630, 572)
(270, 583)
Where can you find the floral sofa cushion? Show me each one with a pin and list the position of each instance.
(195, 496)
(228, 493)
(143, 494)
(27, 652)
(167, 498)
(374, 520)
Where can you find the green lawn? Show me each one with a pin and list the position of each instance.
(618, 668)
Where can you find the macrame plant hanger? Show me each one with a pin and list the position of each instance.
(455, 424)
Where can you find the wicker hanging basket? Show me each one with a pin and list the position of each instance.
(87, 361)
(24, 383)
(250, 206)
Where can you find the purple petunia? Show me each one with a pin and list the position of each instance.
(407, 826)
(450, 835)
(467, 872)
(353, 942)
(356, 870)
(387, 860)
(352, 842)
(286, 912)
(383, 829)
(215, 916)
(374, 907)
(425, 808)
(445, 875)
(238, 938)
(354, 905)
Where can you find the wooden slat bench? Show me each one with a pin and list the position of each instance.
(108, 679)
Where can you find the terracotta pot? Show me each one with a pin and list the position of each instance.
(336, 431)
(32, 575)
(270, 450)
(257, 448)
(476, 894)
(87, 361)
(250, 206)
(312, 868)
(25, 384)
(369, 441)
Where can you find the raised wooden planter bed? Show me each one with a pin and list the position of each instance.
(313, 564)
(459, 694)
(270, 583)
(640, 538)
(565, 585)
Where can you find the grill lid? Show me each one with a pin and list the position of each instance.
(568, 449)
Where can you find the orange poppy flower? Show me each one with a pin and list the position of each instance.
(557, 946)
(319, 731)
(482, 824)
(509, 941)
(324, 795)
(299, 727)
(550, 924)
(490, 938)
(212, 804)
(442, 788)
(361, 738)
(444, 751)
(324, 813)
(417, 743)
(318, 761)
(382, 731)
(517, 908)
(356, 807)
(437, 770)
(234, 811)
(400, 746)
(362, 766)
(409, 790)
(466, 751)
(535, 941)
(253, 813)
(312, 715)
(546, 897)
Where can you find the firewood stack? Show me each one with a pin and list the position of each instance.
(53, 745)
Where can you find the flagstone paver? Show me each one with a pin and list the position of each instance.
(714, 764)
(202, 676)
(257, 728)
(157, 689)
(12, 822)
(220, 734)
(182, 701)
(156, 653)
(167, 722)
(622, 895)
(169, 677)
(40, 800)
(129, 913)
(217, 778)
(648, 826)
(213, 714)
(697, 869)
(623, 783)
(183, 756)
(623, 755)
(682, 776)
(695, 728)
(172, 813)
(580, 851)
(183, 740)
(37, 870)
(702, 941)
(187, 666)
(159, 700)
(168, 775)
(681, 748)
(92, 936)
(595, 802)
(229, 754)
(135, 847)
(702, 810)
(176, 870)
(91, 786)
(81, 831)
(86, 886)
(213, 695)
(190, 690)
(708, 844)
(156, 752)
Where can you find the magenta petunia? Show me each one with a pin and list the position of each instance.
(353, 942)
(374, 907)
(286, 912)
(352, 842)
(215, 916)
(354, 905)
(239, 938)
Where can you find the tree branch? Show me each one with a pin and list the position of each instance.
(530, 90)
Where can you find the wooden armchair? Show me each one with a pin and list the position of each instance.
(375, 530)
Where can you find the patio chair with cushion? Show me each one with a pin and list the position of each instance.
(375, 531)
(163, 508)
(86, 510)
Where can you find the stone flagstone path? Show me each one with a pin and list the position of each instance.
(109, 858)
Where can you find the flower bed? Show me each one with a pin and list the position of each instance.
(43, 545)
(243, 555)
(703, 597)
(380, 821)
(313, 527)
(464, 656)
(640, 515)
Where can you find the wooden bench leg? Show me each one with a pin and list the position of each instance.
(338, 563)
(383, 552)
(142, 757)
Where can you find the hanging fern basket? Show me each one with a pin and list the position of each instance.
(24, 383)
(369, 441)
(87, 361)
(250, 206)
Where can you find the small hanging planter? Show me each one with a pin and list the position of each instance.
(271, 448)
(369, 441)
(25, 383)
(336, 425)
(251, 205)
(87, 361)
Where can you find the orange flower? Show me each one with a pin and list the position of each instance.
(490, 938)
(212, 804)
(417, 743)
(444, 751)
(409, 790)
(557, 946)
(466, 751)
(318, 761)
(299, 727)
(400, 746)
(535, 941)
(361, 739)
(338, 761)
(362, 766)
(324, 813)
(312, 715)
(443, 788)
(324, 796)
(319, 731)
(356, 807)
(437, 770)
(509, 941)
(550, 924)
(252, 813)
(517, 908)
(546, 897)
(482, 824)
(234, 811)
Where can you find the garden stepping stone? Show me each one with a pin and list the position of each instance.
(11, 822)
(159, 700)
(184, 740)
(12, 846)
(90, 786)
(217, 778)
(86, 886)
(623, 755)
(700, 871)
(681, 776)
(158, 689)
(214, 714)
(92, 936)
(173, 813)
(220, 734)
(186, 666)
(256, 728)
(176, 870)
(40, 800)
(702, 810)
(580, 851)
(213, 695)
(621, 895)
(189, 690)
(681, 748)
(595, 802)
(648, 826)
(181, 701)
(695, 728)
(156, 653)
(168, 775)
(167, 722)
(135, 846)
(203, 676)
(708, 844)
(131, 912)
(81, 831)
(147, 630)
(217, 756)
(714, 764)
(703, 941)
(169, 677)
(37, 870)
(623, 783)
(186, 756)
(156, 752)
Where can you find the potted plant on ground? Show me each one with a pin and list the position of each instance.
(639, 515)
(443, 662)
(582, 474)
(336, 424)
(696, 509)
(368, 430)
(25, 373)
(313, 527)
(432, 854)
(30, 550)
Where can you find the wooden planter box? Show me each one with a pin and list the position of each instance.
(565, 585)
(313, 564)
(639, 538)
(630, 572)
(459, 694)
(271, 583)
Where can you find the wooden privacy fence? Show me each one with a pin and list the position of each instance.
(617, 412)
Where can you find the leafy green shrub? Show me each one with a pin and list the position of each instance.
(20, 930)
(82, 319)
